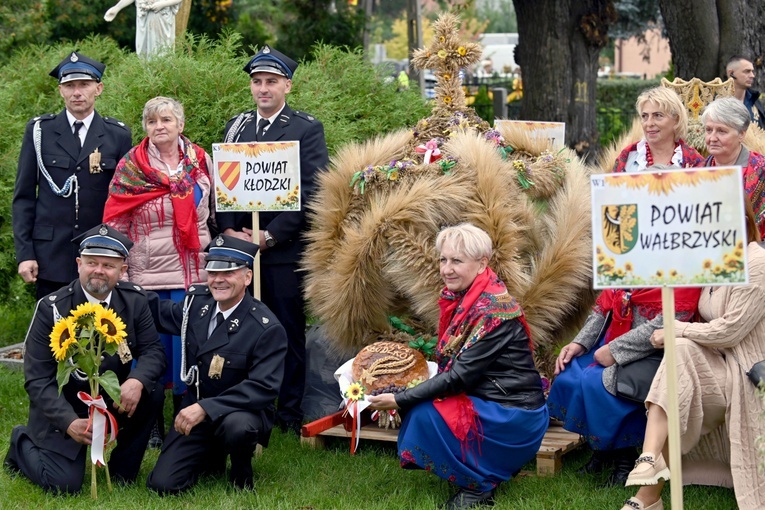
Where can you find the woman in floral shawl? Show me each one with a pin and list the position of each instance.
(665, 122)
(160, 197)
(483, 416)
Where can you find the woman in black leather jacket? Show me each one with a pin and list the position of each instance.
(483, 416)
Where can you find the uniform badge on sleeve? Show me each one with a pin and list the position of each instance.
(216, 367)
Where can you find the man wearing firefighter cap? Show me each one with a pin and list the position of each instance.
(51, 449)
(62, 180)
(233, 363)
(281, 234)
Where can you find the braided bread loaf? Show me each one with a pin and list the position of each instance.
(389, 367)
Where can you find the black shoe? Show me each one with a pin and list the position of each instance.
(288, 426)
(241, 473)
(470, 498)
(155, 439)
(599, 462)
(624, 462)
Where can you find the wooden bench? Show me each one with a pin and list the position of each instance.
(556, 443)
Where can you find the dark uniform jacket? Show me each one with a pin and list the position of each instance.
(45, 224)
(251, 342)
(754, 105)
(50, 414)
(286, 227)
(499, 368)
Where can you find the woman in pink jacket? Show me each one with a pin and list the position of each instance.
(160, 197)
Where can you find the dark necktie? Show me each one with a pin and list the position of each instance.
(77, 125)
(218, 321)
(262, 125)
(104, 304)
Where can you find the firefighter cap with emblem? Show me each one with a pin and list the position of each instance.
(269, 60)
(77, 66)
(104, 241)
(226, 253)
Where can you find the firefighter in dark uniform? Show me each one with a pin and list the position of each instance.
(62, 181)
(232, 360)
(51, 449)
(281, 234)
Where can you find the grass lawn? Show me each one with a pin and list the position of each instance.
(288, 476)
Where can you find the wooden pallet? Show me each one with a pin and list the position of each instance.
(556, 443)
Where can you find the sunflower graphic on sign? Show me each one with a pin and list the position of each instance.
(619, 227)
(229, 173)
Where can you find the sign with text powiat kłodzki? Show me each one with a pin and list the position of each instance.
(672, 227)
(257, 176)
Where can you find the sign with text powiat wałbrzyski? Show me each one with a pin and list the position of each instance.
(257, 176)
(671, 227)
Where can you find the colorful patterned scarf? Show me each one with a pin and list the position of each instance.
(136, 183)
(691, 157)
(754, 183)
(466, 318)
(648, 302)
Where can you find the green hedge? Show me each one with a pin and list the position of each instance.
(337, 86)
(622, 94)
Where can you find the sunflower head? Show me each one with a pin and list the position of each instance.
(109, 325)
(63, 336)
(355, 392)
(84, 311)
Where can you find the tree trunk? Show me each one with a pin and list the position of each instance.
(558, 55)
(704, 34)
(694, 37)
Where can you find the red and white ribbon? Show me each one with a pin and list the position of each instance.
(431, 151)
(102, 423)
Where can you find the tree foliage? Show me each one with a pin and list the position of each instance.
(69, 20)
(307, 22)
(21, 24)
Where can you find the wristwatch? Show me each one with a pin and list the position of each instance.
(270, 240)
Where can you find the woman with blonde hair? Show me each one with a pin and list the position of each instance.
(665, 122)
(483, 416)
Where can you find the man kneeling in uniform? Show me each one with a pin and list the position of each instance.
(234, 349)
(50, 450)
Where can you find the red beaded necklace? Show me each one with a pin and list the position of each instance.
(649, 156)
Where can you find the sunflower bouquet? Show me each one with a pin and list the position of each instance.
(79, 342)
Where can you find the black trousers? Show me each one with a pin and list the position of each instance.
(58, 473)
(282, 292)
(184, 458)
(45, 287)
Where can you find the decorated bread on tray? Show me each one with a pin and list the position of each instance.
(389, 367)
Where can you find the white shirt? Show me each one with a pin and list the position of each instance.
(271, 119)
(86, 122)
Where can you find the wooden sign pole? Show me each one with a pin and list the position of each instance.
(256, 262)
(673, 436)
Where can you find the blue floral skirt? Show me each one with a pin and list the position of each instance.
(579, 399)
(511, 438)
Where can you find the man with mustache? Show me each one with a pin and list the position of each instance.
(51, 449)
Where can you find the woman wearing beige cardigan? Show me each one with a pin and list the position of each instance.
(713, 389)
